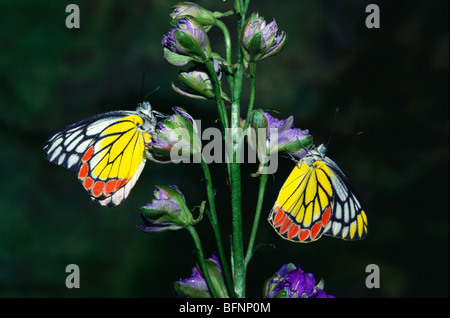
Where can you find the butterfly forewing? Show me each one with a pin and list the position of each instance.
(302, 209)
(106, 151)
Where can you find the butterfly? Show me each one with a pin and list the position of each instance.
(317, 198)
(106, 151)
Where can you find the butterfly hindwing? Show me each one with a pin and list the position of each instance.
(349, 220)
(316, 199)
(106, 151)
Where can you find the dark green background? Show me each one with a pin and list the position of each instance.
(391, 83)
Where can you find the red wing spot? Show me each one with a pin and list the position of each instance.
(83, 171)
(315, 229)
(88, 154)
(326, 216)
(87, 183)
(281, 216)
(286, 224)
(278, 216)
(98, 188)
(110, 186)
(303, 235)
(293, 231)
(121, 182)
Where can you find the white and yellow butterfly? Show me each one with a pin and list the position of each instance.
(317, 198)
(106, 151)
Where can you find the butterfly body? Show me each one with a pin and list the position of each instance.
(106, 151)
(317, 198)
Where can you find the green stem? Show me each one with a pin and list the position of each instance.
(238, 6)
(218, 92)
(201, 260)
(247, 2)
(226, 35)
(215, 224)
(238, 250)
(223, 115)
(252, 93)
(262, 188)
(239, 273)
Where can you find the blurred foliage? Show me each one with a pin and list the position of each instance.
(391, 83)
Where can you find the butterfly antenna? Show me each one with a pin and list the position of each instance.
(142, 85)
(289, 156)
(355, 134)
(150, 93)
(332, 127)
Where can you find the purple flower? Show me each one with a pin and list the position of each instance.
(195, 286)
(166, 211)
(291, 282)
(271, 135)
(186, 42)
(261, 40)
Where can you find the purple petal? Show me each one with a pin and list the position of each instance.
(290, 135)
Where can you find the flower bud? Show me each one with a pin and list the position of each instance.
(291, 282)
(188, 9)
(167, 211)
(176, 137)
(186, 42)
(260, 40)
(196, 287)
(196, 83)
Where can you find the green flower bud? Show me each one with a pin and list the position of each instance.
(167, 211)
(176, 137)
(261, 40)
(196, 82)
(187, 42)
(188, 9)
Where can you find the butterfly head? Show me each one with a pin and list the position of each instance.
(316, 153)
(145, 111)
(321, 150)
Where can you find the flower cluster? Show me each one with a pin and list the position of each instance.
(176, 138)
(291, 282)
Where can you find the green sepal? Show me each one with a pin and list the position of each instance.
(176, 59)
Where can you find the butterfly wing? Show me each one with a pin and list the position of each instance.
(106, 151)
(348, 220)
(318, 199)
(302, 210)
